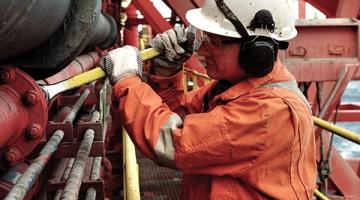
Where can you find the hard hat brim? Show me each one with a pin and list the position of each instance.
(207, 23)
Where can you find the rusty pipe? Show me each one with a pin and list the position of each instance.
(95, 175)
(75, 109)
(19, 191)
(72, 187)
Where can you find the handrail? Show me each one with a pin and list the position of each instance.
(320, 195)
(131, 169)
(342, 132)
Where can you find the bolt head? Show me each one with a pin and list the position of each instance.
(30, 98)
(34, 131)
(11, 155)
(7, 75)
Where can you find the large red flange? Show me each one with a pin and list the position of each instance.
(23, 115)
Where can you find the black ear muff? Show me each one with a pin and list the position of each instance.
(257, 56)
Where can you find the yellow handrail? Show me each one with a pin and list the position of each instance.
(131, 170)
(320, 195)
(352, 136)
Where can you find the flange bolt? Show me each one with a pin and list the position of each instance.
(34, 131)
(12, 155)
(30, 98)
(6, 75)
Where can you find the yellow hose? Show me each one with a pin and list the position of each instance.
(131, 169)
(352, 136)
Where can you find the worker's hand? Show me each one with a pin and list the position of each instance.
(122, 62)
(175, 47)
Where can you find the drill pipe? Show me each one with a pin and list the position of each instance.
(19, 191)
(73, 183)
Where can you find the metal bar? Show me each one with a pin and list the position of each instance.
(195, 81)
(152, 16)
(320, 195)
(344, 133)
(73, 184)
(75, 109)
(180, 8)
(95, 116)
(19, 191)
(64, 177)
(131, 176)
(95, 174)
(90, 194)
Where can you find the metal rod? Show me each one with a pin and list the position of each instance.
(90, 194)
(95, 172)
(75, 109)
(95, 116)
(131, 168)
(64, 177)
(20, 189)
(72, 187)
(95, 175)
(349, 135)
(321, 195)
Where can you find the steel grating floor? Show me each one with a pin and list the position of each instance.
(158, 183)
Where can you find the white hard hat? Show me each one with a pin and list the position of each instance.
(211, 19)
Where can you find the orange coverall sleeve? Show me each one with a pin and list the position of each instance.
(204, 142)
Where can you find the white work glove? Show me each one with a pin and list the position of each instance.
(175, 47)
(122, 62)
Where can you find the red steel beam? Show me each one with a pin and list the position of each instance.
(198, 3)
(327, 7)
(318, 53)
(302, 9)
(337, 8)
(180, 8)
(152, 16)
(348, 8)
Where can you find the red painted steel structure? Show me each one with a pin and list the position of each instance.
(317, 55)
(23, 115)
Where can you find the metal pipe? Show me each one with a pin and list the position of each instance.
(73, 184)
(19, 191)
(90, 194)
(64, 178)
(26, 24)
(95, 175)
(75, 109)
(320, 195)
(80, 65)
(349, 135)
(131, 175)
(95, 116)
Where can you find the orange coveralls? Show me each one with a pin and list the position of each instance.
(254, 142)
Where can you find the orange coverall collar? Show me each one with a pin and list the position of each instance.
(250, 83)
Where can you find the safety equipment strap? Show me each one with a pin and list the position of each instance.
(232, 18)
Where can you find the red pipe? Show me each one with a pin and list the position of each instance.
(81, 64)
(13, 117)
(131, 35)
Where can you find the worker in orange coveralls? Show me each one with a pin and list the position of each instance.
(246, 135)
